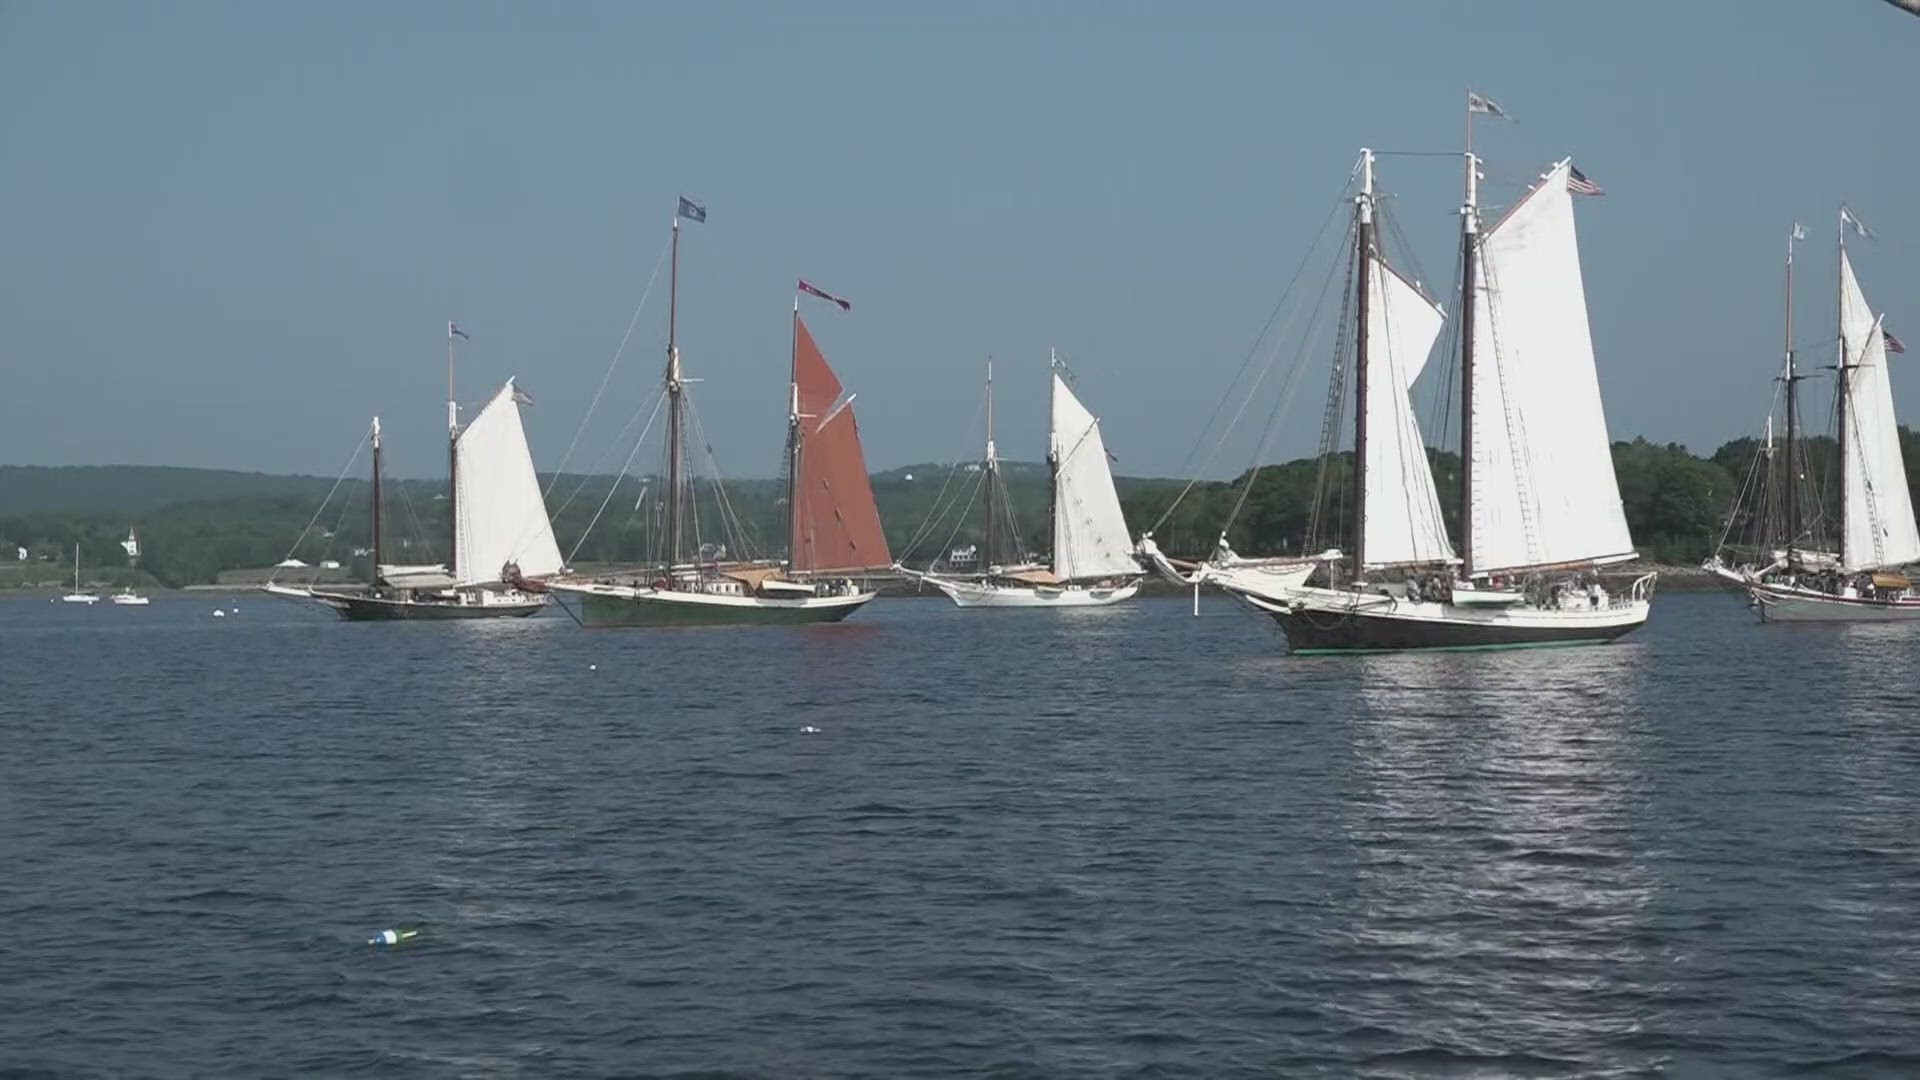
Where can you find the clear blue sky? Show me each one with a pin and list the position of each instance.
(229, 233)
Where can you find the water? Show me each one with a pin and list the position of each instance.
(1048, 844)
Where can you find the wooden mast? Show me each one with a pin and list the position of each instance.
(1793, 417)
(453, 465)
(1841, 396)
(993, 469)
(793, 439)
(376, 500)
(1053, 464)
(1363, 255)
(674, 390)
(1469, 263)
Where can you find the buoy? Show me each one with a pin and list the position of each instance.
(593, 667)
(809, 730)
(393, 939)
(218, 614)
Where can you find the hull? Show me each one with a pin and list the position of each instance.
(603, 606)
(1322, 621)
(364, 608)
(129, 600)
(973, 594)
(1778, 603)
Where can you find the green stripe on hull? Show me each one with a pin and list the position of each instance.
(1461, 648)
(604, 611)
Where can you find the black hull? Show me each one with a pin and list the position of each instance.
(1351, 632)
(374, 609)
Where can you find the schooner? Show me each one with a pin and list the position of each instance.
(833, 526)
(1092, 563)
(1878, 533)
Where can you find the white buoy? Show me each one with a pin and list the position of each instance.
(593, 667)
(809, 730)
(218, 614)
(393, 939)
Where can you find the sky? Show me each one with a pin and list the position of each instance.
(230, 233)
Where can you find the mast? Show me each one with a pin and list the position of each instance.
(1053, 465)
(376, 500)
(1469, 239)
(1363, 255)
(453, 465)
(1841, 401)
(993, 469)
(793, 436)
(1793, 416)
(674, 390)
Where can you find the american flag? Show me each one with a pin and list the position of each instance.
(1894, 344)
(1578, 183)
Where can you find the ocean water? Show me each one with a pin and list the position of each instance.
(1117, 843)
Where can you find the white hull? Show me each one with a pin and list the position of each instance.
(1781, 603)
(638, 605)
(991, 594)
(80, 598)
(130, 600)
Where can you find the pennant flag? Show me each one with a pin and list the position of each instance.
(1486, 106)
(1894, 344)
(845, 305)
(1848, 219)
(521, 396)
(1578, 183)
(1799, 231)
(454, 331)
(691, 210)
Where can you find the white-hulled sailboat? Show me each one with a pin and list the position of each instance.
(1092, 564)
(502, 543)
(1541, 508)
(76, 596)
(1878, 535)
(833, 526)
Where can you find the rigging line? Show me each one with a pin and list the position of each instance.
(931, 522)
(1753, 472)
(959, 522)
(615, 486)
(731, 525)
(607, 458)
(1253, 350)
(419, 531)
(341, 479)
(611, 364)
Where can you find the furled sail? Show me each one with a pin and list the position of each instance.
(836, 526)
(1880, 528)
(1544, 491)
(501, 515)
(1404, 525)
(1090, 538)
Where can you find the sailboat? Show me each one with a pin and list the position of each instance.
(1540, 506)
(127, 597)
(76, 596)
(1092, 564)
(502, 545)
(1878, 534)
(833, 526)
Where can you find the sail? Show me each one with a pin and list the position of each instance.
(1403, 511)
(1880, 528)
(836, 526)
(501, 516)
(1090, 538)
(1544, 492)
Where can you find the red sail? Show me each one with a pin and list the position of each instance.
(836, 527)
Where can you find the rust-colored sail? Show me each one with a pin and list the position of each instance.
(836, 526)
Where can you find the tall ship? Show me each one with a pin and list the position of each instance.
(501, 545)
(1540, 508)
(1798, 576)
(1092, 562)
(831, 523)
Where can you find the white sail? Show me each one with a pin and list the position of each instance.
(1543, 486)
(1880, 528)
(501, 515)
(1403, 511)
(1090, 537)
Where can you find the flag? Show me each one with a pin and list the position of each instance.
(1578, 183)
(1799, 231)
(454, 331)
(691, 210)
(1847, 218)
(520, 396)
(845, 305)
(1487, 106)
(1894, 344)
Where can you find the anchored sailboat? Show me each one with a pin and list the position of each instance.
(833, 526)
(502, 542)
(1878, 533)
(1092, 564)
(76, 596)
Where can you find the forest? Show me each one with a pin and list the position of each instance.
(194, 524)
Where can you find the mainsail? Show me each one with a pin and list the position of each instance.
(1543, 490)
(501, 516)
(1880, 528)
(1090, 538)
(836, 526)
(1403, 521)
